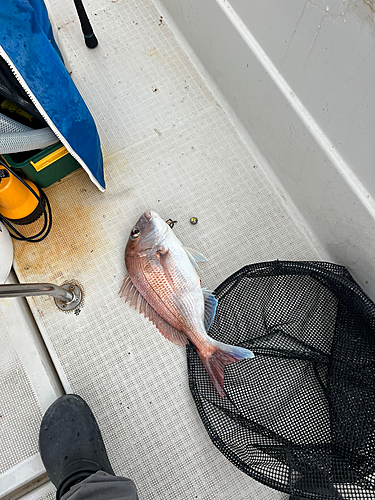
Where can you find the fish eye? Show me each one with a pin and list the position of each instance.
(135, 233)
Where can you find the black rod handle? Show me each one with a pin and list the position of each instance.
(90, 38)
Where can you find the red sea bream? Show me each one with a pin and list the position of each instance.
(163, 285)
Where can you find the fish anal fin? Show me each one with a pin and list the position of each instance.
(130, 293)
(167, 330)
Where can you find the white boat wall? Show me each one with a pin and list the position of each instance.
(299, 76)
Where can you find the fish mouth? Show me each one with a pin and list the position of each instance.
(147, 216)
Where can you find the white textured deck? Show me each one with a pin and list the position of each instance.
(27, 388)
(168, 146)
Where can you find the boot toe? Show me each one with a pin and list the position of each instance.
(70, 441)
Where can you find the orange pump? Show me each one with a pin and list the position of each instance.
(17, 203)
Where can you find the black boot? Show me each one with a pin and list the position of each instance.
(70, 443)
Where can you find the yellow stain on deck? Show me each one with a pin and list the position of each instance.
(76, 235)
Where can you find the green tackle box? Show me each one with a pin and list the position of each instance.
(44, 167)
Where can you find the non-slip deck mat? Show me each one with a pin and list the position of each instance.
(45, 492)
(28, 385)
(20, 414)
(169, 147)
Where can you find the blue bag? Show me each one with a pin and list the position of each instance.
(29, 49)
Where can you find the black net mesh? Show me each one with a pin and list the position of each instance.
(300, 416)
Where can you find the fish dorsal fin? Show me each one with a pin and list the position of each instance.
(130, 293)
(194, 256)
(210, 305)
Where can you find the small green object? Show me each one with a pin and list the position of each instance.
(193, 220)
(44, 167)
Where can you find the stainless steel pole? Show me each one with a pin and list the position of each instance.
(35, 289)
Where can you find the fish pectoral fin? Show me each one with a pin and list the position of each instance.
(210, 305)
(162, 251)
(194, 256)
(129, 292)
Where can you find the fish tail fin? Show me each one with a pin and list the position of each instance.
(216, 362)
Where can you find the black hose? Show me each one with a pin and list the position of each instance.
(42, 201)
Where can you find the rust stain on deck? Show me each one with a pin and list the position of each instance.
(371, 4)
(76, 235)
